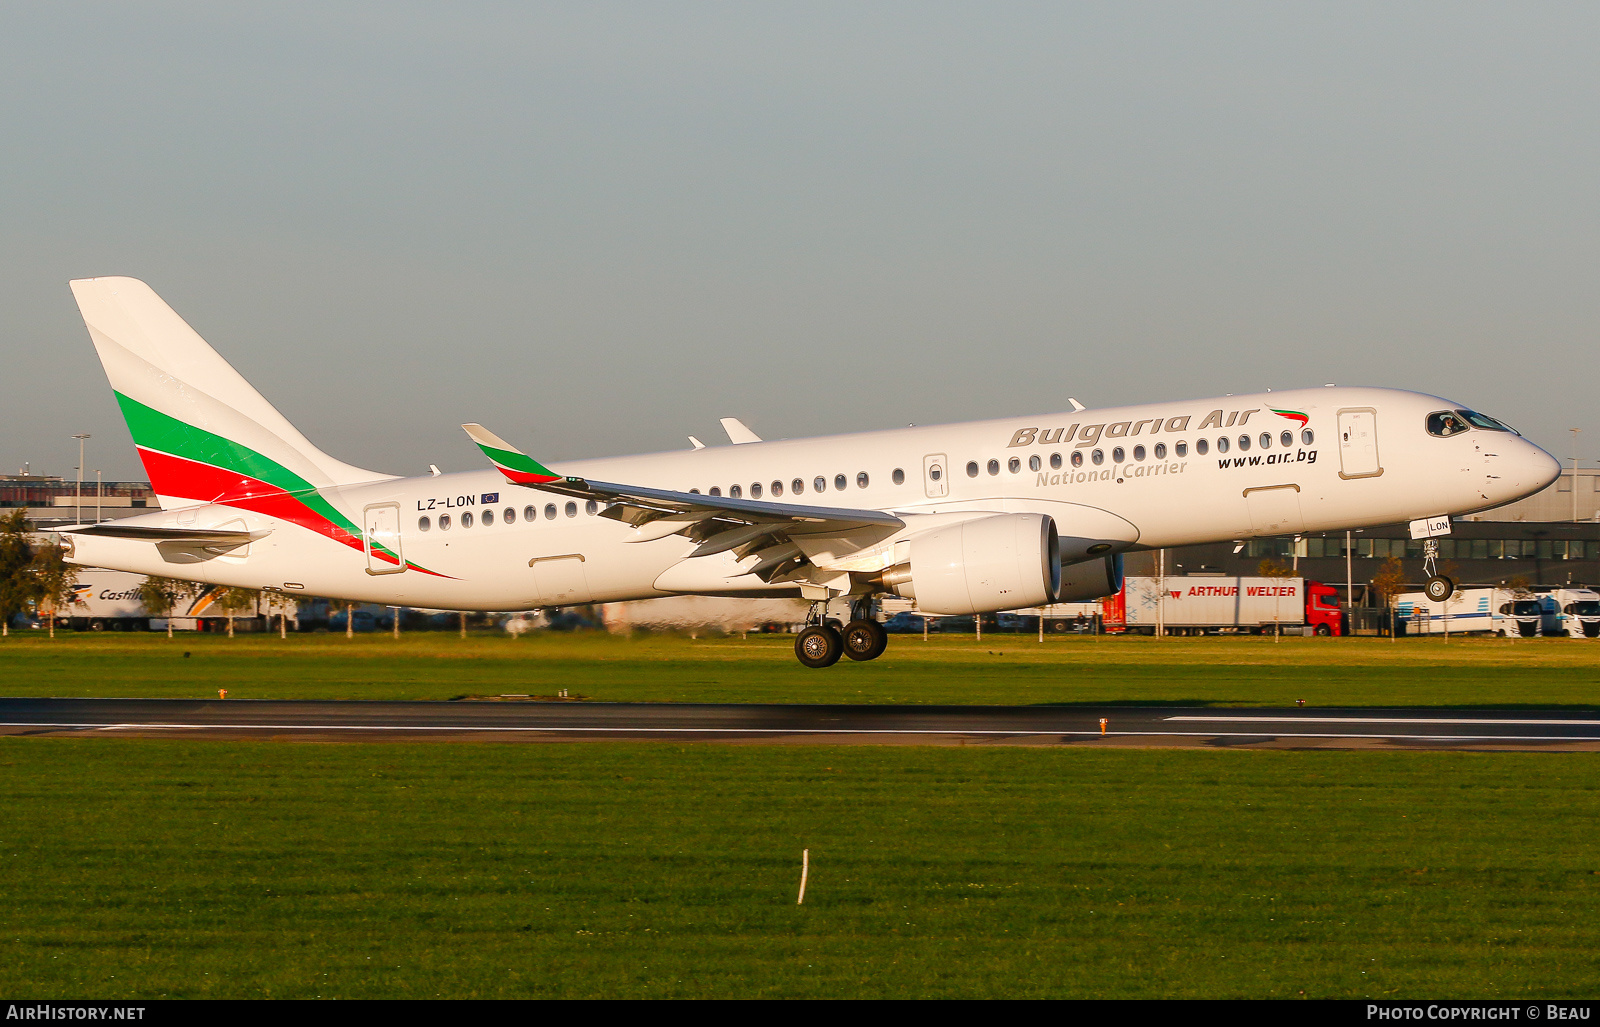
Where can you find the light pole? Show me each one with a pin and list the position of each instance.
(99, 491)
(80, 439)
(1574, 432)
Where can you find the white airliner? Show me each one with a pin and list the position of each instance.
(961, 518)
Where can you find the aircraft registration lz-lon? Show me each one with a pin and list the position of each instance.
(960, 518)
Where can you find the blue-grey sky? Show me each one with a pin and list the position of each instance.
(599, 227)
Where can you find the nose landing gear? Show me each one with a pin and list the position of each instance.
(1439, 588)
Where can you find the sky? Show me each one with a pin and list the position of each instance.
(599, 227)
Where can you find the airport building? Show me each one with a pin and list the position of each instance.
(53, 502)
(1552, 538)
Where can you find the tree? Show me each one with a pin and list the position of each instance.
(1387, 583)
(234, 601)
(161, 596)
(55, 581)
(1270, 568)
(18, 587)
(281, 604)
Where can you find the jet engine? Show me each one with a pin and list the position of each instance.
(1094, 579)
(1001, 562)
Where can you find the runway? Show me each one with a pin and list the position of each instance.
(525, 721)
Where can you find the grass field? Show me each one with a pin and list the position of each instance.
(152, 868)
(144, 868)
(1008, 669)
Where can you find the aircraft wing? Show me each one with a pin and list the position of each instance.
(717, 523)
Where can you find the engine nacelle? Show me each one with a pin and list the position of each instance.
(1094, 579)
(1001, 562)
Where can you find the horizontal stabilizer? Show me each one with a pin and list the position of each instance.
(147, 533)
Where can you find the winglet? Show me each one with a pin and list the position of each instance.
(517, 466)
(738, 434)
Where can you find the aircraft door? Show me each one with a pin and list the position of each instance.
(1358, 443)
(936, 475)
(380, 537)
(1275, 510)
(560, 580)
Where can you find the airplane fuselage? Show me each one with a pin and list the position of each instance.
(1129, 478)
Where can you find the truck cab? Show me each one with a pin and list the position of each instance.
(1519, 617)
(1581, 609)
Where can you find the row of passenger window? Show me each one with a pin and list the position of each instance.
(1119, 455)
(508, 515)
(797, 487)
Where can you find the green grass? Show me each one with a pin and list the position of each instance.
(154, 868)
(1011, 669)
(143, 868)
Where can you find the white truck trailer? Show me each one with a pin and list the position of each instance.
(109, 600)
(1198, 605)
(1511, 613)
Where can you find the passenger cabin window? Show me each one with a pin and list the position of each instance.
(1286, 439)
(1182, 449)
(1201, 446)
(1445, 424)
(1244, 443)
(862, 481)
(572, 509)
(755, 490)
(820, 484)
(777, 488)
(1266, 440)
(1014, 465)
(466, 519)
(488, 518)
(898, 477)
(716, 490)
(444, 522)
(1077, 458)
(530, 514)
(1161, 451)
(1055, 461)
(1307, 437)
(1117, 454)
(797, 486)
(549, 511)
(509, 515)
(1138, 452)
(994, 467)
(591, 507)
(1098, 457)
(1222, 444)
(734, 492)
(840, 482)
(423, 524)
(972, 468)
(1034, 463)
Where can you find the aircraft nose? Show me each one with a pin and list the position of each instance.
(1531, 469)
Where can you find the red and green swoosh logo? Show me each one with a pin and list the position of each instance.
(192, 463)
(518, 468)
(1293, 415)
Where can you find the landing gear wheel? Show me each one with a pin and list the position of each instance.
(818, 646)
(1439, 588)
(865, 640)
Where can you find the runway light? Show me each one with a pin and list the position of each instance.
(1102, 727)
(1299, 702)
(222, 693)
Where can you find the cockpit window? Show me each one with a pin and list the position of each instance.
(1445, 424)
(1484, 421)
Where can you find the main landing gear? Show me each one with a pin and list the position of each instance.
(822, 642)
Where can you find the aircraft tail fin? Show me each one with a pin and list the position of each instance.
(204, 434)
(518, 467)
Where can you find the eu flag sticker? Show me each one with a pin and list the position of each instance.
(490, 497)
